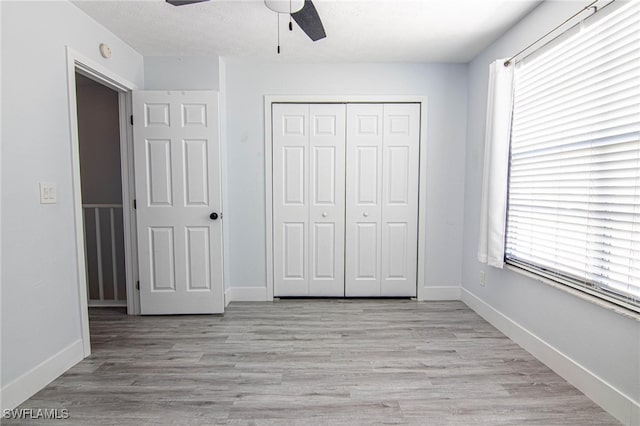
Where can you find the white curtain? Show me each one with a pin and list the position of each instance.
(493, 209)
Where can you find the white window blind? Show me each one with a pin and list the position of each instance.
(574, 184)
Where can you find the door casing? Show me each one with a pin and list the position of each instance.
(77, 62)
(346, 99)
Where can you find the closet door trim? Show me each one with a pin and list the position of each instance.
(346, 99)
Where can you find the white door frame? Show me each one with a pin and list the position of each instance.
(76, 62)
(422, 185)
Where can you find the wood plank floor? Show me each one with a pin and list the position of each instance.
(307, 362)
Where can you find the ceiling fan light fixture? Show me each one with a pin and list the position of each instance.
(284, 6)
(184, 2)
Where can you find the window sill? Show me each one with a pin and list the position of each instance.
(578, 293)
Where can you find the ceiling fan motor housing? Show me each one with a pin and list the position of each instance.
(284, 6)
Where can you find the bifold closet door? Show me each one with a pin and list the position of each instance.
(308, 199)
(383, 142)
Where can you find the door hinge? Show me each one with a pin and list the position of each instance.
(135, 204)
(137, 285)
(131, 119)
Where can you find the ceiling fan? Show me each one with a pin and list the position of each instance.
(302, 11)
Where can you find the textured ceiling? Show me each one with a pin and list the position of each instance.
(357, 30)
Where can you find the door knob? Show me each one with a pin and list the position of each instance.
(365, 214)
(213, 216)
(324, 214)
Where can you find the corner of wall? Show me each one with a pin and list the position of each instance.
(222, 74)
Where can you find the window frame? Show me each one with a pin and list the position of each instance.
(587, 290)
(576, 291)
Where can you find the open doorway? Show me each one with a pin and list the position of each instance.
(101, 184)
(79, 66)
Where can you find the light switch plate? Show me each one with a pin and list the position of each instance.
(48, 193)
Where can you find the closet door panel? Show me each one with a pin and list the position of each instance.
(326, 210)
(363, 199)
(291, 199)
(401, 145)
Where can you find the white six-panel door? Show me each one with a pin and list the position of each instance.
(308, 199)
(382, 199)
(177, 174)
(345, 199)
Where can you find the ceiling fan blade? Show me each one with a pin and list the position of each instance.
(309, 21)
(184, 2)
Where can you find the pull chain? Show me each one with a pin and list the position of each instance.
(290, 24)
(278, 33)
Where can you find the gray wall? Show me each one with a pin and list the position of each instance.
(181, 73)
(246, 86)
(40, 301)
(604, 342)
(99, 135)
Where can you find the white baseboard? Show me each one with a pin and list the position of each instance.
(259, 294)
(25, 386)
(247, 294)
(107, 303)
(602, 393)
(441, 293)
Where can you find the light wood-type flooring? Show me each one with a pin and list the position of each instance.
(312, 362)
